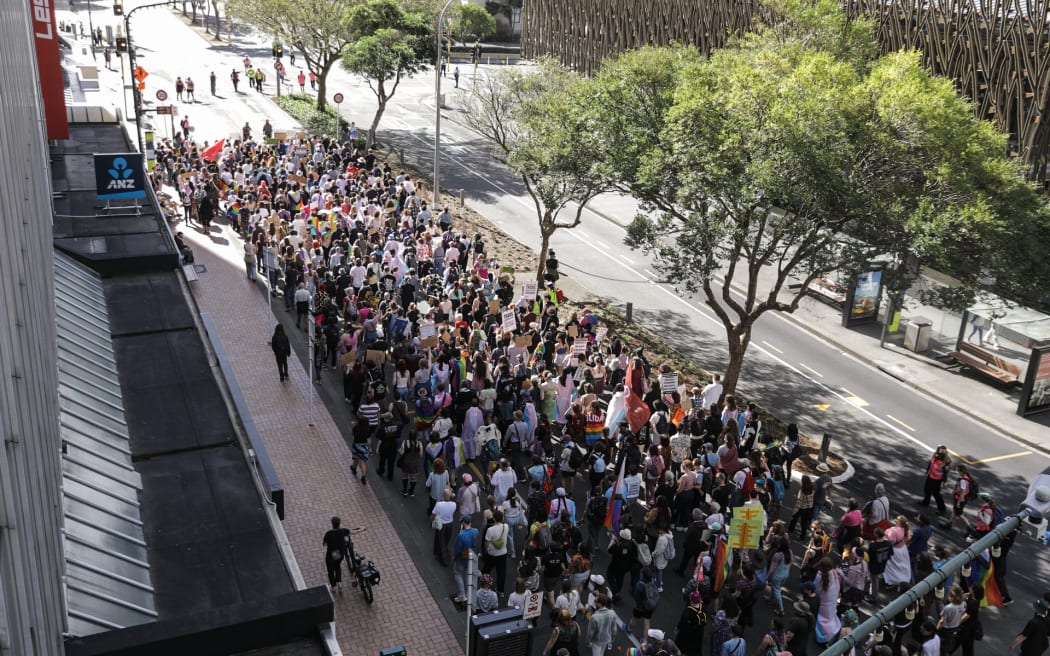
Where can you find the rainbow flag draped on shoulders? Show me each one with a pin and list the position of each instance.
(720, 564)
(612, 513)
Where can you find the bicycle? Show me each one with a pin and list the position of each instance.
(366, 572)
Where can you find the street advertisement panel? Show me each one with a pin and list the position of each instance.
(863, 300)
(1035, 395)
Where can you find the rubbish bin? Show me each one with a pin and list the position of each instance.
(917, 335)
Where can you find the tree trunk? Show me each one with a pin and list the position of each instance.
(218, 25)
(205, 9)
(193, 5)
(545, 243)
(184, 8)
(738, 340)
(381, 107)
(322, 83)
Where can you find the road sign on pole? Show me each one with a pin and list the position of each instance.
(533, 606)
(162, 95)
(338, 99)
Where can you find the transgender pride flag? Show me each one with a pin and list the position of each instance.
(612, 513)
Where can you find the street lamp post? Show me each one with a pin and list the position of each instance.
(437, 102)
(136, 95)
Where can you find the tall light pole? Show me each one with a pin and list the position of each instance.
(437, 102)
(136, 95)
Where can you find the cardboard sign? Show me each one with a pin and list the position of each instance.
(280, 136)
(574, 331)
(601, 333)
(347, 359)
(510, 322)
(533, 606)
(379, 357)
(523, 341)
(530, 289)
(494, 306)
(299, 135)
(301, 179)
(429, 342)
(427, 329)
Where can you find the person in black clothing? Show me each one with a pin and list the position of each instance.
(206, 211)
(551, 268)
(691, 625)
(624, 560)
(337, 548)
(282, 348)
(694, 542)
(1035, 636)
(798, 629)
(388, 432)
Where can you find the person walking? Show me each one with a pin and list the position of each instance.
(467, 541)
(410, 454)
(190, 86)
(337, 546)
(212, 79)
(1035, 636)
(235, 78)
(301, 79)
(250, 262)
(441, 520)
(260, 77)
(107, 55)
(936, 471)
(282, 348)
(496, 549)
(601, 625)
(565, 636)
(455, 76)
(180, 87)
(691, 624)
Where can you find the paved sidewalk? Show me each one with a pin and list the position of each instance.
(313, 461)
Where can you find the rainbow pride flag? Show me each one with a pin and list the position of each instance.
(982, 571)
(720, 564)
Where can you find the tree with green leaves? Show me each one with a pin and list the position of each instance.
(798, 152)
(389, 44)
(532, 121)
(319, 29)
(471, 22)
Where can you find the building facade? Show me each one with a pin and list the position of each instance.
(32, 616)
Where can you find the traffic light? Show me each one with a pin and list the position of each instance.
(122, 44)
(118, 7)
(278, 51)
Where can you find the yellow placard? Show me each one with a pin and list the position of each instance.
(747, 527)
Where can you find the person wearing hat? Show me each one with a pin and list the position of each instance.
(798, 629)
(561, 502)
(689, 636)
(1034, 638)
(624, 553)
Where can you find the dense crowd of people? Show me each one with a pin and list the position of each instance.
(553, 456)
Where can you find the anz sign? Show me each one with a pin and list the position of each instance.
(119, 175)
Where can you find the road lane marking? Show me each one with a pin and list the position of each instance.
(772, 347)
(984, 461)
(811, 369)
(649, 272)
(901, 423)
(854, 399)
(823, 407)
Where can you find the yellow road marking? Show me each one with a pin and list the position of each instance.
(823, 407)
(983, 461)
(854, 399)
(772, 347)
(901, 423)
(803, 364)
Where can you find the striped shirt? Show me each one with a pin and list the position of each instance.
(369, 412)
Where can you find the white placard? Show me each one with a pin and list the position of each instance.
(510, 322)
(530, 289)
(423, 307)
(579, 347)
(601, 332)
(426, 329)
(533, 606)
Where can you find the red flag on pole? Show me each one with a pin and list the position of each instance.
(212, 151)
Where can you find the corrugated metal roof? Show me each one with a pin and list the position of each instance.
(107, 576)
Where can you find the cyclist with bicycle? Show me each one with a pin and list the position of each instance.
(338, 547)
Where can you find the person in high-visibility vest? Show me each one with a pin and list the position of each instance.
(936, 471)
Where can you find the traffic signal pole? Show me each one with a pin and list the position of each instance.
(136, 94)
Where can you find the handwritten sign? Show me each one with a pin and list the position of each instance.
(494, 306)
(531, 287)
(601, 333)
(429, 342)
(523, 341)
(510, 322)
(574, 331)
(426, 330)
(747, 527)
(579, 347)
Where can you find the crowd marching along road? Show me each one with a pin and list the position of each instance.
(560, 455)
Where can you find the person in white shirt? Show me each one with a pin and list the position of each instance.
(442, 518)
(503, 479)
(496, 549)
(712, 393)
(632, 484)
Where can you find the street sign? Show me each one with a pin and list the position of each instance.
(162, 95)
(338, 99)
(533, 605)
(164, 109)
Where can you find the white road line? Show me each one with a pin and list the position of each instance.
(649, 272)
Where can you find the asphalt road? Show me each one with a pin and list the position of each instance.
(883, 426)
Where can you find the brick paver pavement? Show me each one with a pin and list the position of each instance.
(313, 461)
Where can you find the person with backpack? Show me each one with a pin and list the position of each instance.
(966, 489)
(561, 503)
(624, 560)
(596, 509)
(571, 458)
(663, 554)
(646, 594)
(496, 543)
(689, 637)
